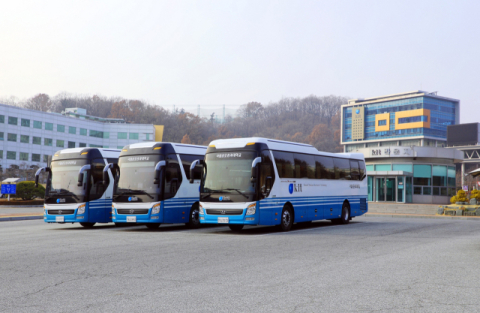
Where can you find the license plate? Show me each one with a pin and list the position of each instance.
(131, 219)
(59, 218)
(223, 220)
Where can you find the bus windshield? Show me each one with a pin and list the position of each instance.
(137, 174)
(229, 172)
(65, 177)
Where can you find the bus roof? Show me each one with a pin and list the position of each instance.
(106, 153)
(177, 147)
(280, 145)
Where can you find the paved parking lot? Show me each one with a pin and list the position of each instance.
(373, 264)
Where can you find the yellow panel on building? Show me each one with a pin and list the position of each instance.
(358, 128)
(158, 132)
(382, 117)
(412, 113)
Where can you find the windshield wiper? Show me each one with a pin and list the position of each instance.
(133, 192)
(64, 192)
(238, 192)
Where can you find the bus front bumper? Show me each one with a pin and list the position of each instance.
(63, 214)
(126, 213)
(225, 217)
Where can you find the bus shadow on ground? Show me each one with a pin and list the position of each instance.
(264, 230)
(165, 228)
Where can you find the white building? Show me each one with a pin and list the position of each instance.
(29, 137)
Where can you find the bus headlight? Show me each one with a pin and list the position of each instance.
(156, 208)
(251, 209)
(113, 209)
(81, 209)
(200, 209)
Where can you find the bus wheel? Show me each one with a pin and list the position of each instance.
(286, 221)
(194, 221)
(345, 217)
(235, 227)
(87, 225)
(152, 225)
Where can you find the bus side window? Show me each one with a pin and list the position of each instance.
(304, 165)
(354, 174)
(361, 169)
(96, 179)
(342, 168)
(324, 167)
(187, 160)
(285, 164)
(173, 176)
(266, 170)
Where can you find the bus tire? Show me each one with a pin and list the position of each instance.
(194, 219)
(235, 227)
(87, 225)
(345, 217)
(286, 219)
(152, 225)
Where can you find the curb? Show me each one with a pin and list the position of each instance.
(422, 216)
(20, 218)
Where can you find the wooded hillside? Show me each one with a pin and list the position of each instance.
(314, 120)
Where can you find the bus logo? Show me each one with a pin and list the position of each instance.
(220, 199)
(61, 200)
(132, 199)
(294, 188)
(223, 212)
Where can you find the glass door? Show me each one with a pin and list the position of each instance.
(400, 189)
(390, 189)
(380, 188)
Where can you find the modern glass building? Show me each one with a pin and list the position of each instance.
(402, 137)
(28, 137)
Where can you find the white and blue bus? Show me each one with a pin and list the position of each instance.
(258, 181)
(79, 186)
(152, 184)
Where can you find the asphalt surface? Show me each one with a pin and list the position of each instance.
(374, 264)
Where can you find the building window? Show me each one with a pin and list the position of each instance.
(81, 144)
(48, 126)
(96, 134)
(1, 154)
(12, 120)
(422, 175)
(24, 138)
(122, 136)
(60, 143)
(119, 147)
(47, 142)
(11, 155)
(133, 136)
(23, 156)
(382, 122)
(147, 137)
(83, 131)
(45, 158)
(12, 137)
(2, 119)
(61, 128)
(37, 124)
(35, 157)
(72, 130)
(1, 136)
(37, 140)
(413, 119)
(71, 144)
(95, 146)
(25, 123)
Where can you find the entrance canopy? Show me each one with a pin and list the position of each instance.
(475, 173)
(389, 173)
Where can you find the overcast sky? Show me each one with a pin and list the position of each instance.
(232, 52)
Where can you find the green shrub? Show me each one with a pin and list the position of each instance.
(27, 191)
(461, 196)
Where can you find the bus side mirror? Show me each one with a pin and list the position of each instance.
(192, 168)
(158, 168)
(254, 168)
(81, 174)
(37, 174)
(105, 175)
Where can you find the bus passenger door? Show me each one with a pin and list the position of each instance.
(173, 179)
(98, 211)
